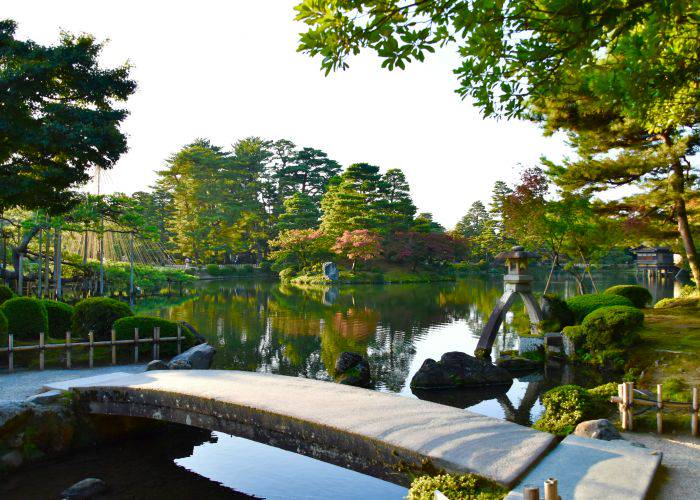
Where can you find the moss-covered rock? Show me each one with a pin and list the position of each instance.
(638, 295)
(26, 317)
(670, 303)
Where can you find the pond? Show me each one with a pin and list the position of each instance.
(300, 331)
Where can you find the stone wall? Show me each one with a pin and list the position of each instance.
(529, 344)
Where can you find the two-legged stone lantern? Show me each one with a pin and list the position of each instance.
(517, 281)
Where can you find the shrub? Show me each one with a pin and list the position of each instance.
(213, 270)
(454, 487)
(610, 327)
(638, 295)
(5, 294)
(59, 315)
(286, 274)
(556, 312)
(26, 317)
(577, 335)
(565, 407)
(3, 329)
(124, 329)
(98, 314)
(677, 302)
(583, 305)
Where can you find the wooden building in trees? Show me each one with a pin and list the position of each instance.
(655, 261)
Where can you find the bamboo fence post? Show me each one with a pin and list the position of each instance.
(114, 346)
(10, 353)
(630, 402)
(68, 360)
(136, 345)
(550, 489)
(41, 350)
(158, 341)
(179, 338)
(154, 348)
(694, 417)
(91, 348)
(622, 391)
(660, 409)
(531, 493)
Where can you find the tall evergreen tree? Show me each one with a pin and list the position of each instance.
(395, 204)
(300, 212)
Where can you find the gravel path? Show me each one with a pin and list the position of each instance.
(679, 476)
(20, 385)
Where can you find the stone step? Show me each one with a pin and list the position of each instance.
(591, 469)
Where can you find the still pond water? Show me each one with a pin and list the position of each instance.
(276, 328)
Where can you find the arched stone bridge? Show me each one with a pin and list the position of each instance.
(384, 435)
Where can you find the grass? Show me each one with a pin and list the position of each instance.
(669, 346)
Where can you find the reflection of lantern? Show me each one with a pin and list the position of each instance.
(516, 282)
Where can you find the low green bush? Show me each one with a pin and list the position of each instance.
(577, 335)
(583, 305)
(611, 327)
(286, 274)
(556, 312)
(98, 314)
(3, 329)
(26, 317)
(565, 407)
(124, 329)
(5, 294)
(638, 295)
(670, 303)
(59, 315)
(455, 487)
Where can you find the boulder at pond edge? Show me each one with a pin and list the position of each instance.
(458, 369)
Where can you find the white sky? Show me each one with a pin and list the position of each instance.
(225, 70)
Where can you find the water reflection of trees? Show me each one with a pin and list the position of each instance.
(301, 331)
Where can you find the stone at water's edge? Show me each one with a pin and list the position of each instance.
(330, 271)
(199, 357)
(457, 369)
(597, 429)
(87, 488)
(517, 364)
(157, 364)
(353, 369)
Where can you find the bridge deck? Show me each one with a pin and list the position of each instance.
(361, 429)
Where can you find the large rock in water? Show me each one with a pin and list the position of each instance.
(517, 364)
(87, 488)
(330, 271)
(352, 369)
(457, 369)
(199, 357)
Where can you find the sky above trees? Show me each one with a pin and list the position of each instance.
(225, 70)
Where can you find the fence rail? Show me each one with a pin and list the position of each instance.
(626, 400)
(91, 345)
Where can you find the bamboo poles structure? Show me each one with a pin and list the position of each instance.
(626, 400)
(155, 341)
(551, 490)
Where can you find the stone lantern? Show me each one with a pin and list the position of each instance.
(516, 282)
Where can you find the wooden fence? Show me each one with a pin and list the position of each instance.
(91, 345)
(626, 400)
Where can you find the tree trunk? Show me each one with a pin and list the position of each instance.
(20, 249)
(555, 260)
(691, 254)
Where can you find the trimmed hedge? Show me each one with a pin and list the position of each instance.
(610, 327)
(5, 294)
(59, 315)
(124, 328)
(98, 314)
(583, 305)
(26, 317)
(455, 487)
(557, 314)
(565, 407)
(639, 295)
(3, 329)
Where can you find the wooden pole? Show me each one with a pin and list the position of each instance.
(91, 349)
(20, 274)
(694, 417)
(157, 335)
(136, 345)
(622, 391)
(68, 353)
(114, 347)
(550, 489)
(41, 350)
(179, 338)
(39, 280)
(58, 266)
(531, 493)
(10, 353)
(47, 260)
(660, 409)
(630, 402)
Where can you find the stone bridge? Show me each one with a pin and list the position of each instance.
(384, 435)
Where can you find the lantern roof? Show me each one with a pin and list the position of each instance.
(517, 253)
